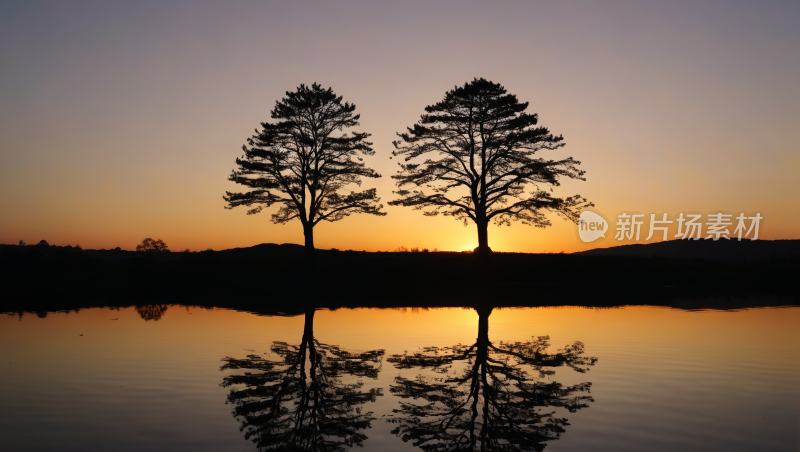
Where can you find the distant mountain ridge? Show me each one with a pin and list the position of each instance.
(723, 250)
(265, 250)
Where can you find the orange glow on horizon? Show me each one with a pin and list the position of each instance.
(107, 139)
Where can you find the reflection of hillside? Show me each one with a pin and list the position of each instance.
(490, 397)
(152, 311)
(300, 401)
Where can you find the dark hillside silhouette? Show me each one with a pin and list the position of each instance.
(304, 162)
(723, 250)
(265, 279)
(265, 251)
(492, 396)
(480, 148)
(310, 399)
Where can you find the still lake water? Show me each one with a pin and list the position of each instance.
(508, 379)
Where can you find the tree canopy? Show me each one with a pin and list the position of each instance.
(480, 163)
(304, 160)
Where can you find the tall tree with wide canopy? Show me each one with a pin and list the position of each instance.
(304, 160)
(480, 146)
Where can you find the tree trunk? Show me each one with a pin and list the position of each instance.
(308, 231)
(307, 349)
(308, 327)
(483, 237)
(483, 323)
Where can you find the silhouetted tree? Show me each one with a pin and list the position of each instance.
(486, 399)
(42, 243)
(304, 160)
(21, 243)
(149, 245)
(152, 311)
(300, 403)
(480, 144)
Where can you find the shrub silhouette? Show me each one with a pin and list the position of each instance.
(149, 245)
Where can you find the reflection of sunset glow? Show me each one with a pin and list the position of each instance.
(655, 364)
(411, 328)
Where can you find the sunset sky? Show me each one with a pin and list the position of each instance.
(122, 120)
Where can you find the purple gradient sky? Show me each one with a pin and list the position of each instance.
(122, 120)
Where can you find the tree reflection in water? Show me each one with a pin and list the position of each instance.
(491, 397)
(152, 311)
(301, 401)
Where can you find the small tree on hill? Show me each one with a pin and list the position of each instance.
(480, 145)
(149, 245)
(303, 162)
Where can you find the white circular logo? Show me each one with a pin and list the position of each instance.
(591, 226)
